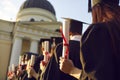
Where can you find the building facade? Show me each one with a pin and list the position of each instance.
(35, 20)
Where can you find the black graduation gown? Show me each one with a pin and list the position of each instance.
(52, 71)
(98, 53)
(74, 53)
(37, 62)
(36, 67)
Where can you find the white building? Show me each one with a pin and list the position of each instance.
(36, 19)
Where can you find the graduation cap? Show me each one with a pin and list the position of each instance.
(44, 39)
(29, 54)
(75, 26)
(111, 3)
(57, 40)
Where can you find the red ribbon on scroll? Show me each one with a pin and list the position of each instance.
(65, 44)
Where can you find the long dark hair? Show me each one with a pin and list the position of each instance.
(102, 12)
(108, 14)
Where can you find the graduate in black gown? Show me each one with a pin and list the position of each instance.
(100, 44)
(36, 71)
(75, 33)
(24, 75)
(53, 72)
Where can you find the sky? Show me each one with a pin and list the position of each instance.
(75, 9)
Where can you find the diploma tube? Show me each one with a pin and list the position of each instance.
(20, 60)
(9, 69)
(20, 64)
(43, 46)
(65, 30)
(32, 61)
(28, 68)
(45, 57)
(13, 68)
(46, 46)
(46, 51)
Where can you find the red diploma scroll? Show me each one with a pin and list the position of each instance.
(65, 53)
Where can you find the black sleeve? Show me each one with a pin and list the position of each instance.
(97, 53)
(37, 63)
(74, 53)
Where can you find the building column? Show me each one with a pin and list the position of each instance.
(34, 46)
(16, 51)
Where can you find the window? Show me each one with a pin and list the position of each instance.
(32, 20)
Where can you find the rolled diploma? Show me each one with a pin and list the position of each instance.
(45, 57)
(28, 71)
(46, 46)
(46, 50)
(20, 58)
(43, 46)
(66, 34)
(32, 61)
(9, 69)
(13, 68)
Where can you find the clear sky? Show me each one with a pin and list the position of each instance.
(76, 9)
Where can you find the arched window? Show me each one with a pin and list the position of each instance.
(32, 20)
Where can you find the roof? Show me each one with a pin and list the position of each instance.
(44, 4)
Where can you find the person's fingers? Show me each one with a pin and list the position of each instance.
(61, 60)
(62, 63)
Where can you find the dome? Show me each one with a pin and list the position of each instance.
(44, 4)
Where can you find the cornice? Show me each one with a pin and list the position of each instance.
(5, 36)
(34, 32)
(36, 11)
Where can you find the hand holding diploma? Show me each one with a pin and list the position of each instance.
(42, 65)
(32, 60)
(46, 53)
(65, 37)
(30, 65)
(67, 66)
(32, 73)
(20, 60)
(11, 73)
(19, 65)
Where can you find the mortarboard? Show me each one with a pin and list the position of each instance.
(57, 40)
(75, 26)
(44, 39)
(29, 54)
(109, 2)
